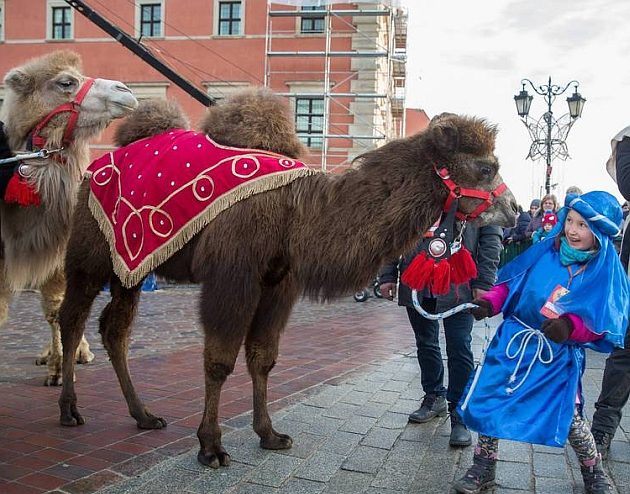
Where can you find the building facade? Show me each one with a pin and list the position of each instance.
(341, 65)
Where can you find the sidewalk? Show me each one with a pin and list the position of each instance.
(346, 379)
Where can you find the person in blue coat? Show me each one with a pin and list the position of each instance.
(557, 298)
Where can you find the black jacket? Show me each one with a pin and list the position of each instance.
(623, 182)
(485, 246)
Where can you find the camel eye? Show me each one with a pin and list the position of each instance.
(67, 84)
(486, 170)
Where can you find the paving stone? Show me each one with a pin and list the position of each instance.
(515, 451)
(379, 437)
(249, 488)
(321, 466)
(389, 397)
(620, 451)
(404, 406)
(357, 397)
(302, 486)
(514, 475)
(169, 481)
(358, 424)
(274, 470)
(538, 448)
(326, 426)
(365, 459)
(328, 395)
(341, 411)
(553, 486)
(620, 474)
(390, 420)
(348, 482)
(341, 442)
(395, 386)
(221, 479)
(372, 409)
(304, 413)
(395, 475)
(546, 465)
(304, 445)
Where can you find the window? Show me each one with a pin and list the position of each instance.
(312, 24)
(230, 18)
(61, 27)
(309, 121)
(150, 20)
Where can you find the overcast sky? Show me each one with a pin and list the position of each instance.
(469, 57)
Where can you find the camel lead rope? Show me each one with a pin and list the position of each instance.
(41, 154)
(440, 315)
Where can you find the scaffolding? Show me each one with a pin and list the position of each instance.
(354, 62)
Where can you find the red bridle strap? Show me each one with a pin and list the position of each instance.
(455, 192)
(72, 107)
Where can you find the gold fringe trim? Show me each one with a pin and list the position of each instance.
(176, 242)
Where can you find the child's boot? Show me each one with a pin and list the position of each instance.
(595, 479)
(480, 476)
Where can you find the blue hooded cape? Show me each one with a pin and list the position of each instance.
(526, 386)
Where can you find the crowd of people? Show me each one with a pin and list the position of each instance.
(564, 289)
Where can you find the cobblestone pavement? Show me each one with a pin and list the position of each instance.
(348, 381)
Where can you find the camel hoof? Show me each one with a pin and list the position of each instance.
(151, 422)
(84, 357)
(71, 420)
(53, 380)
(276, 441)
(221, 459)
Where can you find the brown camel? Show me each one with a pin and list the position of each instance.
(319, 235)
(34, 237)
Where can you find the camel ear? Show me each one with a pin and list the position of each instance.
(445, 135)
(19, 81)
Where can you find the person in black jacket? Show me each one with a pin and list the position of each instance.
(616, 380)
(485, 246)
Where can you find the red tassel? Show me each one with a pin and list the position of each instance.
(463, 267)
(419, 272)
(21, 192)
(441, 282)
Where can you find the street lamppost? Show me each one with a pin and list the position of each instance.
(547, 133)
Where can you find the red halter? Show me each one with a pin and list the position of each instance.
(455, 192)
(72, 107)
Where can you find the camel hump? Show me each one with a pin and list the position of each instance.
(152, 117)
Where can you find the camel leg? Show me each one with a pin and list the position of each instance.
(5, 295)
(52, 295)
(74, 311)
(115, 329)
(225, 317)
(261, 349)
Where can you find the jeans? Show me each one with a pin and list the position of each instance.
(615, 389)
(457, 329)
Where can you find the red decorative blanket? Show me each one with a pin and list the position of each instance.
(152, 196)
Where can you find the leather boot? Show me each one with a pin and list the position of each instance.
(602, 441)
(480, 476)
(432, 406)
(595, 479)
(460, 435)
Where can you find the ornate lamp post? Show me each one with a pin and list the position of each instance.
(547, 133)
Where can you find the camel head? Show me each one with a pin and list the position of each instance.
(41, 85)
(465, 147)
(254, 118)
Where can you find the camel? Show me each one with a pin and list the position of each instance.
(319, 235)
(34, 237)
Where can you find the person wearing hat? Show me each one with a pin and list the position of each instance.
(616, 379)
(548, 222)
(529, 381)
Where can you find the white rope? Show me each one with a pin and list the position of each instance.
(526, 336)
(439, 315)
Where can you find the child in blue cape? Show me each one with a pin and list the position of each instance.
(559, 296)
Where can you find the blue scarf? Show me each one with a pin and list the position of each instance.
(571, 255)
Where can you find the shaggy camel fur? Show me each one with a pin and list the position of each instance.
(34, 237)
(320, 235)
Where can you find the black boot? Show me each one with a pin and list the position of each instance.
(432, 406)
(460, 436)
(478, 477)
(595, 479)
(602, 441)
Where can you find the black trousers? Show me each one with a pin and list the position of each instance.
(615, 389)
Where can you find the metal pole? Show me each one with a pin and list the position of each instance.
(549, 120)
